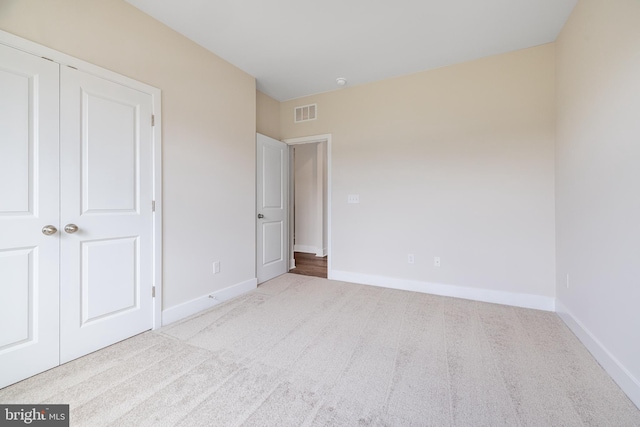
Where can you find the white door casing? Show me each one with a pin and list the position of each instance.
(29, 200)
(324, 141)
(106, 183)
(308, 194)
(272, 192)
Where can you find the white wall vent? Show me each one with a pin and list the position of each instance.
(305, 113)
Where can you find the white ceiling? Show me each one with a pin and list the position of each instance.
(299, 47)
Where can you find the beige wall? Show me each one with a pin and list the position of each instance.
(267, 116)
(456, 162)
(598, 182)
(208, 109)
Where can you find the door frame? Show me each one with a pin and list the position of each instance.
(312, 139)
(63, 59)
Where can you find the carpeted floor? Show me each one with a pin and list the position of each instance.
(304, 351)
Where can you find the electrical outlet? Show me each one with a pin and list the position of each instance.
(410, 259)
(436, 261)
(216, 267)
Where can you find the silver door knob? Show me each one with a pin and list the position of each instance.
(48, 230)
(260, 216)
(70, 228)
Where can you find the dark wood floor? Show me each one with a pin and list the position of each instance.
(309, 265)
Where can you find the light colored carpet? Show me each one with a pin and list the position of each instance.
(304, 351)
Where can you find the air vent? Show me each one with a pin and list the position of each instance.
(305, 113)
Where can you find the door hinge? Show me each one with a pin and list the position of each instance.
(153, 206)
(153, 120)
(153, 292)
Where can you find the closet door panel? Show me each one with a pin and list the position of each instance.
(29, 201)
(106, 184)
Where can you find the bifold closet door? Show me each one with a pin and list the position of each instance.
(106, 216)
(29, 209)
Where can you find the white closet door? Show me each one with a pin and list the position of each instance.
(106, 192)
(29, 197)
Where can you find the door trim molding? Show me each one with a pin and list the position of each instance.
(311, 140)
(63, 59)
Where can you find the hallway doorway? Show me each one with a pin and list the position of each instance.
(310, 199)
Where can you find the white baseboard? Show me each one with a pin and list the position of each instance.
(292, 263)
(621, 375)
(486, 295)
(186, 309)
(322, 253)
(306, 249)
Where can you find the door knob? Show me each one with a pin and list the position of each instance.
(70, 228)
(260, 216)
(48, 230)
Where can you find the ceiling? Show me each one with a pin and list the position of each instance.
(299, 47)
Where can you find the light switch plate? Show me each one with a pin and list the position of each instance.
(353, 198)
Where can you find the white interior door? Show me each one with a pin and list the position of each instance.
(28, 202)
(106, 193)
(272, 216)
